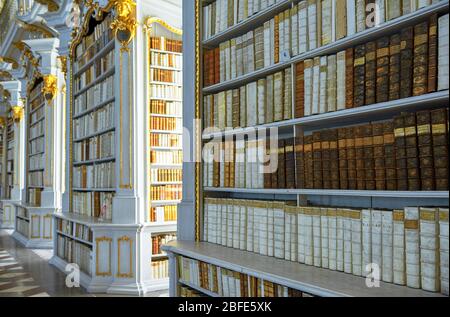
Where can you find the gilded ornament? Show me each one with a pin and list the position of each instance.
(2, 123)
(124, 24)
(50, 88)
(52, 5)
(17, 113)
(63, 63)
(9, 60)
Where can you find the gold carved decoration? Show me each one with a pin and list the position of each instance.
(150, 20)
(4, 75)
(50, 88)
(124, 24)
(9, 60)
(36, 27)
(124, 239)
(2, 123)
(97, 271)
(63, 64)
(25, 49)
(17, 113)
(6, 94)
(52, 5)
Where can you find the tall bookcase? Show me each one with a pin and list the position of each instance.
(210, 231)
(106, 225)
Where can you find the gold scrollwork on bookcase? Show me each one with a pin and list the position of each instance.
(17, 113)
(50, 87)
(98, 241)
(150, 20)
(120, 274)
(47, 219)
(197, 117)
(124, 24)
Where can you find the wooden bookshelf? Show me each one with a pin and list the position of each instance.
(9, 157)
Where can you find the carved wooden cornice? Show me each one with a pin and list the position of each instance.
(52, 5)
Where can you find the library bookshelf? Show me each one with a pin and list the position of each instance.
(211, 202)
(123, 149)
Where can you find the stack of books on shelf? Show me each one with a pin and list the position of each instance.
(159, 240)
(162, 175)
(166, 213)
(93, 204)
(340, 239)
(98, 176)
(160, 269)
(73, 251)
(166, 192)
(227, 283)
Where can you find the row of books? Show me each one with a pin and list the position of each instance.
(166, 157)
(164, 44)
(184, 291)
(166, 124)
(159, 240)
(93, 204)
(166, 175)
(163, 213)
(36, 129)
(160, 269)
(83, 232)
(264, 101)
(166, 192)
(94, 96)
(96, 70)
(34, 196)
(229, 283)
(36, 94)
(99, 147)
(36, 162)
(37, 115)
(74, 229)
(64, 226)
(99, 120)
(23, 227)
(407, 153)
(91, 44)
(36, 179)
(166, 107)
(166, 91)
(165, 140)
(166, 60)
(409, 246)
(36, 146)
(167, 76)
(73, 251)
(95, 176)
(370, 73)
(403, 65)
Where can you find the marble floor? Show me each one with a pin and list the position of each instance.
(26, 273)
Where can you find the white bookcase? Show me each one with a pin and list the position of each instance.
(190, 215)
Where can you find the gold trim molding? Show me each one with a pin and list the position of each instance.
(9, 60)
(17, 113)
(40, 28)
(124, 24)
(124, 239)
(2, 123)
(50, 87)
(98, 241)
(150, 20)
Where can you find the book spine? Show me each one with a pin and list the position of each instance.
(378, 156)
(412, 247)
(429, 249)
(425, 148)
(359, 157)
(349, 78)
(343, 162)
(406, 64)
(331, 84)
(356, 242)
(382, 73)
(439, 120)
(371, 73)
(351, 158)
(394, 67)
(359, 76)
(366, 219)
(399, 273)
(443, 51)
(443, 249)
(317, 160)
(412, 160)
(420, 59)
(400, 153)
(324, 238)
(387, 246)
(432, 53)
(300, 90)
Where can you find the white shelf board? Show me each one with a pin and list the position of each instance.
(105, 50)
(165, 83)
(175, 69)
(165, 52)
(374, 112)
(97, 133)
(96, 161)
(309, 279)
(335, 192)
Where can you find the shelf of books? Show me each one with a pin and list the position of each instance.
(165, 75)
(325, 150)
(7, 219)
(9, 157)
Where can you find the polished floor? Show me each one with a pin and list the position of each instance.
(26, 273)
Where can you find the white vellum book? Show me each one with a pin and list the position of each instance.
(294, 241)
(387, 246)
(278, 227)
(339, 241)
(301, 235)
(308, 236)
(347, 229)
(366, 216)
(412, 247)
(429, 249)
(317, 238)
(332, 245)
(356, 243)
(377, 257)
(324, 234)
(399, 248)
(443, 237)
(287, 234)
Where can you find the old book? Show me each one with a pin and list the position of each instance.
(340, 81)
(312, 24)
(290, 163)
(317, 160)
(281, 164)
(420, 59)
(389, 155)
(334, 159)
(399, 267)
(339, 241)
(278, 229)
(387, 246)
(382, 81)
(325, 159)
(412, 247)
(347, 240)
(270, 99)
(356, 242)
(359, 76)
(393, 9)
(308, 235)
(319, 23)
(370, 73)
(331, 83)
(277, 39)
(341, 19)
(332, 243)
(301, 234)
(295, 30)
(299, 90)
(343, 163)
(359, 158)
(360, 15)
(308, 87)
(432, 53)
(288, 210)
(377, 255)
(261, 101)
(349, 78)
(366, 235)
(412, 163)
(400, 153)
(299, 159)
(443, 49)
(326, 22)
(278, 96)
(324, 237)
(351, 17)
(315, 108)
(439, 120)
(309, 162)
(406, 62)
(317, 237)
(394, 67)
(429, 249)
(425, 148)
(443, 249)
(406, 6)
(259, 48)
(235, 108)
(351, 158)
(369, 164)
(229, 105)
(323, 98)
(287, 96)
(378, 156)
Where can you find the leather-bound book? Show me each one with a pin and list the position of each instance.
(217, 65)
(259, 48)
(274, 177)
(394, 67)
(389, 155)
(359, 157)
(378, 155)
(267, 172)
(359, 76)
(432, 53)
(412, 155)
(406, 62)
(425, 147)
(349, 78)
(281, 164)
(343, 163)
(317, 160)
(369, 165)
(420, 59)
(439, 120)
(235, 108)
(277, 39)
(351, 157)
(299, 90)
(334, 159)
(299, 159)
(290, 163)
(383, 61)
(400, 152)
(325, 152)
(370, 73)
(309, 165)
